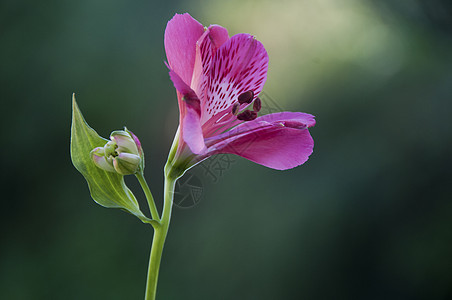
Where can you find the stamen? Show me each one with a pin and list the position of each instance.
(235, 108)
(246, 97)
(257, 105)
(247, 115)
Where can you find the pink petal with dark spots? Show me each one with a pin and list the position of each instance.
(239, 65)
(213, 38)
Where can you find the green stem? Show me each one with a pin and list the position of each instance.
(149, 198)
(159, 240)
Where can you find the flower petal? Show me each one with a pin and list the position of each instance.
(192, 132)
(124, 142)
(239, 65)
(126, 163)
(286, 116)
(181, 34)
(206, 46)
(218, 35)
(137, 141)
(190, 114)
(100, 160)
(269, 140)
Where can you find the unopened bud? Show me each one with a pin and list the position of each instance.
(101, 160)
(137, 141)
(126, 163)
(123, 154)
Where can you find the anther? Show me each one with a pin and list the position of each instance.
(247, 115)
(257, 104)
(235, 108)
(246, 97)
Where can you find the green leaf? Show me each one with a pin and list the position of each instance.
(107, 188)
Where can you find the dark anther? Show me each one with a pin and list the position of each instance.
(235, 108)
(246, 97)
(257, 105)
(247, 115)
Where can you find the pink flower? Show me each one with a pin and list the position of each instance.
(217, 77)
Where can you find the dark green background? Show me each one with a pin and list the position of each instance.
(369, 216)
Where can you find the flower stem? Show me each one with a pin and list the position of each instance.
(149, 198)
(159, 240)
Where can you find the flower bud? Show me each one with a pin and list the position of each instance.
(137, 141)
(123, 154)
(126, 163)
(138, 144)
(100, 160)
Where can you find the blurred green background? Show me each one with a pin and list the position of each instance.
(369, 216)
